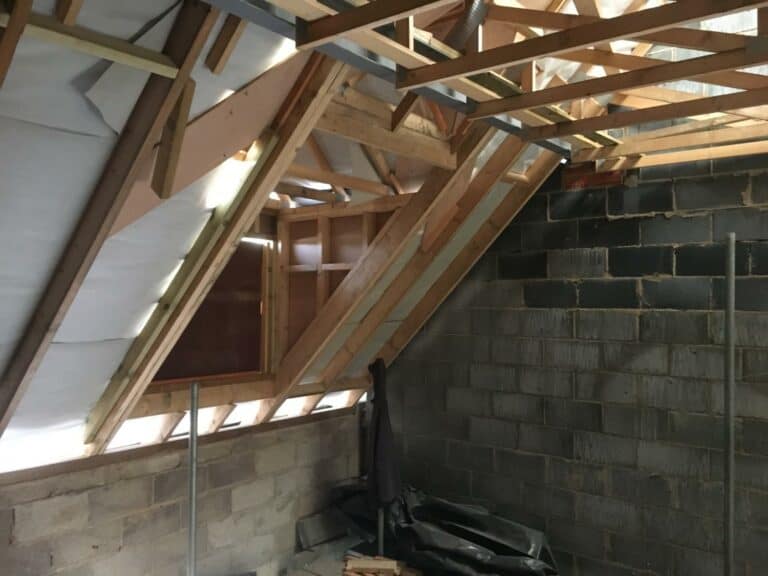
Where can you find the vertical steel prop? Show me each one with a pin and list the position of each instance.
(730, 398)
(192, 532)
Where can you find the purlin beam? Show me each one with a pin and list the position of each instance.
(135, 144)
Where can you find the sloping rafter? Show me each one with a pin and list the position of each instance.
(539, 171)
(625, 25)
(504, 156)
(134, 146)
(313, 91)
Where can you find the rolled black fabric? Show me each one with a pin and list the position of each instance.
(383, 468)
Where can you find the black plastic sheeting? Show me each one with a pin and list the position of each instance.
(440, 537)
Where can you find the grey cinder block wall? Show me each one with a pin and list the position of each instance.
(129, 518)
(573, 380)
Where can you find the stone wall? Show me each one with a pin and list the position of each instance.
(129, 518)
(573, 381)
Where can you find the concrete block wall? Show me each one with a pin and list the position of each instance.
(130, 518)
(573, 381)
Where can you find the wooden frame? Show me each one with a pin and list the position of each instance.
(50, 29)
(310, 34)
(134, 146)
(632, 24)
(314, 88)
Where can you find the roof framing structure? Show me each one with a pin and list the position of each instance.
(474, 108)
(147, 119)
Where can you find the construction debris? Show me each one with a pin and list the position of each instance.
(368, 566)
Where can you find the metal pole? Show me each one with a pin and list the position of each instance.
(192, 533)
(730, 397)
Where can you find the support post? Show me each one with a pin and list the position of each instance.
(730, 397)
(192, 532)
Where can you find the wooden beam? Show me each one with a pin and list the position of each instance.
(68, 10)
(213, 248)
(225, 43)
(702, 138)
(406, 58)
(10, 34)
(352, 124)
(691, 68)
(49, 29)
(684, 128)
(404, 32)
(375, 206)
(314, 33)
(544, 165)
(404, 108)
(310, 193)
(632, 24)
(449, 222)
(707, 40)
(730, 151)
(169, 150)
(123, 167)
(382, 169)
(389, 245)
(696, 107)
(322, 162)
(336, 179)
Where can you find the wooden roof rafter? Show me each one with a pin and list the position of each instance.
(314, 89)
(134, 145)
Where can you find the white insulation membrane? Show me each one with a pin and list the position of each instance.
(60, 112)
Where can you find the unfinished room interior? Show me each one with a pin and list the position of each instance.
(387, 287)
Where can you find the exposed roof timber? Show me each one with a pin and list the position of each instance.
(225, 43)
(695, 107)
(68, 10)
(221, 132)
(49, 29)
(387, 247)
(404, 108)
(322, 161)
(164, 397)
(668, 72)
(213, 248)
(463, 262)
(447, 224)
(683, 128)
(13, 26)
(503, 87)
(381, 167)
(310, 193)
(702, 138)
(169, 150)
(336, 179)
(625, 25)
(707, 40)
(313, 33)
(363, 57)
(729, 151)
(358, 126)
(134, 146)
(382, 204)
